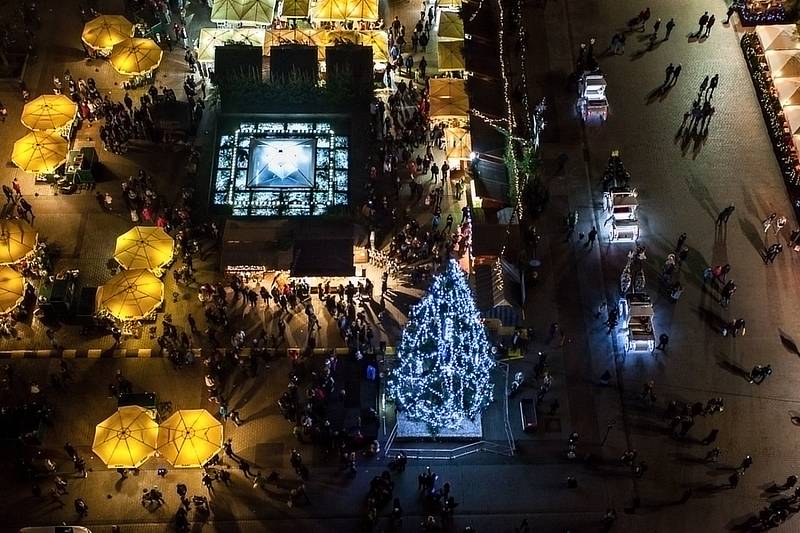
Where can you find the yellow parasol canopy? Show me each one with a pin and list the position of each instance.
(103, 32)
(190, 438)
(362, 10)
(131, 294)
(294, 9)
(136, 56)
(448, 98)
(450, 26)
(125, 439)
(17, 239)
(40, 152)
(458, 143)
(48, 112)
(330, 10)
(12, 289)
(450, 55)
(147, 247)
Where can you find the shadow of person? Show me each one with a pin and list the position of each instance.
(788, 343)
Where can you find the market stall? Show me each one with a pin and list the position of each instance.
(448, 99)
(451, 26)
(211, 38)
(778, 37)
(49, 112)
(783, 63)
(379, 41)
(131, 295)
(102, 33)
(291, 9)
(788, 91)
(257, 12)
(126, 439)
(341, 10)
(136, 57)
(144, 247)
(189, 438)
(451, 55)
(227, 11)
(40, 152)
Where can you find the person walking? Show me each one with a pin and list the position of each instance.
(592, 236)
(656, 26)
(675, 73)
(747, 462)
(663, 340)
(669, 27)
(81, 508)
(772, 253)
(71, 452)
(669, 71)
(228, 449)
(17, 189)
(767, 222)
(759, 373)
(726, 213)
(709, 24)
(729, 13)
(733, 479)
(235, 417)
(780, 222)
(702, 22)
(80, 466)
(713, 85)
(710, 438)
(244, 466)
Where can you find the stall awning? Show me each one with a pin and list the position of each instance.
(451, 56)
(448, 98)
(227, 11)
(458, 143)
(211, 38)
(783, 64)
(379, 41)
(450, 26)
(346, 10)
(778, 37)
(792, 114)
(497, 294)
(294, 9)
(258, 12)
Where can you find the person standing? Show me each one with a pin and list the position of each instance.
(726, 213)
(669, 71)
(675, 73)
(17, 189)
(767, 222)
(711, 20)
(669, 27)
(772, 253)
(702, 22)
(592, 236)
(729, 13)
(663, 340)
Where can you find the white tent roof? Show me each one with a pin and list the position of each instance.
(788, 91)
(784, 63)
(778, 37)
(792, 114)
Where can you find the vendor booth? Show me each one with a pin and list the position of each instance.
(102, 33)
(342, 10)
(257, 12)
(451, 55)
(788, 91)
(637, 313)
(448, 99)
(227, 11)
(458, 143)
(783, 63)
(40, 152)
(778, 37)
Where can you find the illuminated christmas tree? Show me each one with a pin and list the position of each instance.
(444, 356)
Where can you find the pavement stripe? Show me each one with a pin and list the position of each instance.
(41, 354)
(15, 354)
(94, 354)
(69, 354)
(143, 352)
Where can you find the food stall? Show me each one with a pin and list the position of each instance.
(637, 312)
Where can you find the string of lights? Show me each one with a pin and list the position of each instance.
(443, 374)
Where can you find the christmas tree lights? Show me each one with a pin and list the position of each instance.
(442, 377)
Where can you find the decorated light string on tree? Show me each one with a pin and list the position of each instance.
(444, 357)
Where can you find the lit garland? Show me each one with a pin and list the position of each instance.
(444, 356)
(771, 108)
(771, 15)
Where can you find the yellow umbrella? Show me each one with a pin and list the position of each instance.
(48, 112)
(190, 438)
(17, 239)
(103, 32)
(147, 247)
(294, 9)
(450, 26)
(136, 56)
(125, 439)
(450, 56)
(131, 294)
(40, 152)
(12, 289)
